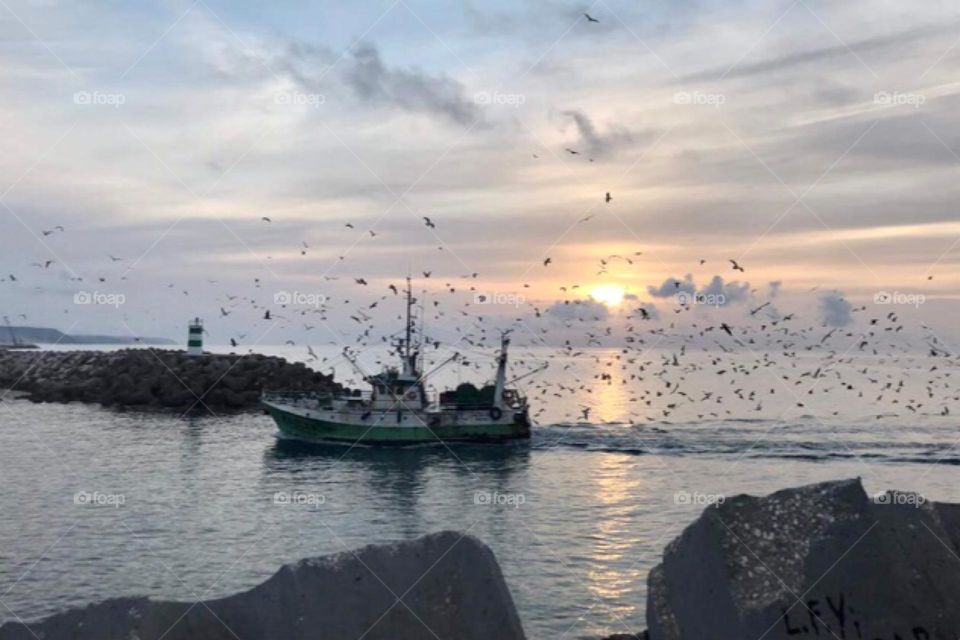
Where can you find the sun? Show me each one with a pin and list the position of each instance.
(609, 294)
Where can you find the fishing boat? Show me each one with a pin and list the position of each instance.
(397, 410)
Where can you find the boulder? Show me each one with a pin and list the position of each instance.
(448, 585)
(820, 561)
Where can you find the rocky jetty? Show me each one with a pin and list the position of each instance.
(444, 585)
(821, 561)
(155, 379)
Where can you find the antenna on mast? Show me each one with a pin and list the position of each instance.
(409, 337)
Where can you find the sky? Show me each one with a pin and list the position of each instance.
(814, 143)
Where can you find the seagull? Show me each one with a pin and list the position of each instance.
(547, 261)
(113, 258)
(572, 152)
(266, 219)
(608, 198)
(590, 18)
(736, 266)
(429, 222)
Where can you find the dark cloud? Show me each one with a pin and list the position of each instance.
(652, 311)
(725, 293)
(598, 144)
(409, 89)
(716, 292)
(673, 286)
(835, 311)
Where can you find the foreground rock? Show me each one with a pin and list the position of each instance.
(150, 378)
(822, 561)
(450, 585)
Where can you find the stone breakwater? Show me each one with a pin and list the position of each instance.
(444, 585)
(155, 379)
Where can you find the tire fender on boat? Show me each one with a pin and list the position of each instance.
(496, 413)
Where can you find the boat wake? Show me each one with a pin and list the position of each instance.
(883, 440)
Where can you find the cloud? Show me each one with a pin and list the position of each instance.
(588, 310)
(593, 142)
(718, 292)
(672, 286)
(409, 89)
(725, 293)
(821, 54)
(835, 310)
(652, 312)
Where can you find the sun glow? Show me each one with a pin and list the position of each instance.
(609, 294)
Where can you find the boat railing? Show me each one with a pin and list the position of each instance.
(309, 397)
(475, 406)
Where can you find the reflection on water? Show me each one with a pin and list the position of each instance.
(616, 578)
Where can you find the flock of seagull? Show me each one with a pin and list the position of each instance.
(766, 361)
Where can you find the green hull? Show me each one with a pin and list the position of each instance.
(314, 430)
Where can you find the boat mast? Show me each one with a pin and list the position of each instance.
(408, 364)
(501, 369)
(409, 320)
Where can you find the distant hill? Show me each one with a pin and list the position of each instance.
(44, 335)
